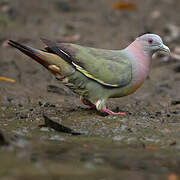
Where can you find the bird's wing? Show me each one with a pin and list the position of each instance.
(109, 68)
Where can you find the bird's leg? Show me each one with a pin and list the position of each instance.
(100, 105)
(88, 103)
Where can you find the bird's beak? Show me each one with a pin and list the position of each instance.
(165, 48)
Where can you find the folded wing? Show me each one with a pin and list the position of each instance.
(107, 67)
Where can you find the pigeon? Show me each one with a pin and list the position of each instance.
(98, 74)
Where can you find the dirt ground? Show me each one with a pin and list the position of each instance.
(143, 145)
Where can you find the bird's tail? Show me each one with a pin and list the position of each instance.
(31, 52)
(51, 61)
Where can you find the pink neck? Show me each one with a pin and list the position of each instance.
(142, 61)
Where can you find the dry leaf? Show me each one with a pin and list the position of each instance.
(124, 6)
(151, 147)
(173, 143)
(172, 176)
(7, 79)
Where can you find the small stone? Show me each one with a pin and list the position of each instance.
(118, 138)
(56, 138)
(45, 129)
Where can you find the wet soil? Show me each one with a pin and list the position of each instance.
(145, 144)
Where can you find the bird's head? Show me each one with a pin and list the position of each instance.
(151, 43)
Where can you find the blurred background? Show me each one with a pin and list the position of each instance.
(27, 90)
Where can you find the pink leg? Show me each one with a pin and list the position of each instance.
(88, 103)
(111, 112)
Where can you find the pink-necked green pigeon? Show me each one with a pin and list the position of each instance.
(98, 74)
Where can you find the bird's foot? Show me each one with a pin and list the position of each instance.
(109, 112)
(88, 103)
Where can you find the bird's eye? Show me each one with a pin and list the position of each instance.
(150, 41)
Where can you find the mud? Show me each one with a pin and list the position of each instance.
(145, 144)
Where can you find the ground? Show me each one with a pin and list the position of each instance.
(143, 145)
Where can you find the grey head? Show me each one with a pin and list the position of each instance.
(152, 43)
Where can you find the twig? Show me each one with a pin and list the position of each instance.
(7, 79)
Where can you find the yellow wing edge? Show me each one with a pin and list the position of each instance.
(79, 68)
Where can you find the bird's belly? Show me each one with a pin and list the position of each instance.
(125, 91)
(133, 89)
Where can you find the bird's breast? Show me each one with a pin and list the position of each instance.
(142, 66)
